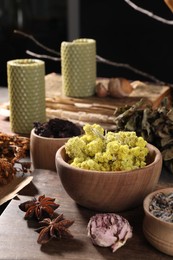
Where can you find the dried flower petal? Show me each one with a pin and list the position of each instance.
(109, 230)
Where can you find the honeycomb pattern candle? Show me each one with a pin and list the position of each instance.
(26, 86)
(78, 67)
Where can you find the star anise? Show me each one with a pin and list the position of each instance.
(43, 207)
(55, 228)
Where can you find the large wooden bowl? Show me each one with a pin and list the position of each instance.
(158, 232)
(109, 191)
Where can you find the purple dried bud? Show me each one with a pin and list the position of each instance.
(109, 230)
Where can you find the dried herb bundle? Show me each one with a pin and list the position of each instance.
(154, 125)
(12, 149)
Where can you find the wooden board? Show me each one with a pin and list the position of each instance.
(18, 238)
(94, 109)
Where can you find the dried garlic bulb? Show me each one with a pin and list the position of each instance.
(101, 90)
(169, 3)
(119, 87)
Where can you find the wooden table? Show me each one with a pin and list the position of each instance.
(18, 240)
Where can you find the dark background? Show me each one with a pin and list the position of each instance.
(122, 34)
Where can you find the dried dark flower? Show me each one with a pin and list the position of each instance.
(57, 128)
(7, 171)
(12, 149)
(55, 228)
(39, 208)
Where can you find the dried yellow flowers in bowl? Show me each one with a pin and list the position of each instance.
(108, 172)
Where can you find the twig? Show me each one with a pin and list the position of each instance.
(37, 42)
(129, 111)
(127, 66)
(42, 56)
(150, 14)
(98, 59)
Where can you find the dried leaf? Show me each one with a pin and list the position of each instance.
(154, 125)
(170, 115)
(168, 154)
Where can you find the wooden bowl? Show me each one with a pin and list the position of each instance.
(158, 232)
(43, 151)
(109, 191)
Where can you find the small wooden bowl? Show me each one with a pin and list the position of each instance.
(109, 191)
(43, 150)
(158, 232)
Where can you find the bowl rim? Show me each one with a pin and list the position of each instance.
(118, 173)
(147, 201)
(48, 138)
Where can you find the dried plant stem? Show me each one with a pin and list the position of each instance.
(127, 66)
(42, 56)
(129, 111)
(37, 42)
(98, 59)
(150, 14)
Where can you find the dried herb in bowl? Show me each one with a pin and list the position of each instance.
(57, 128)
(161, 206)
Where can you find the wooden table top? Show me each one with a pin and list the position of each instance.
(18, 240)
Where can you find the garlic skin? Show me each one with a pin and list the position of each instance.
(109, 230)
(169, 3)
(119, 87)
(101, 90)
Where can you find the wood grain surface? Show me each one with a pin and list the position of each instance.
(18, 240)
(95, 109)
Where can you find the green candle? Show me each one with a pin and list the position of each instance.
(78, 67)
(26, 86)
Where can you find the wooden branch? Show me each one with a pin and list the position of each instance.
(37, 42)
(98, 59)
(127, 66)
(150, 14)
(42, 56)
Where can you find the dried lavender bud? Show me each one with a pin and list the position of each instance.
(161, 206)
(57, 128)
(109, 230)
